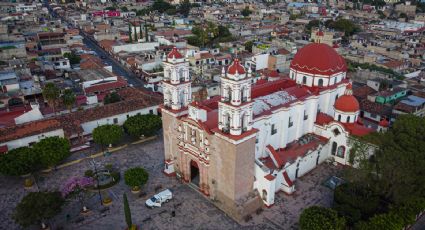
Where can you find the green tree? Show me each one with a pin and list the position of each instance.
(52, 150)
(136, 177)
(184, 8)
(344, 25)
(320, 218)
(19, 161)
(248, 45)
(51, 94)
(127, 213)
(73, 58)
(396, 168)
(107, 134)
(124, 9)
(161, 6)
(246, 12)
(146, 125)
(111, 98)
(68, 99)
(38, 207)
(312, 24)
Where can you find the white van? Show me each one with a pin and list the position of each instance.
(158, 199)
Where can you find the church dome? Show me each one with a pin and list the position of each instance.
(318, 58)
(175, 54)
(236, 67)
(347, 102)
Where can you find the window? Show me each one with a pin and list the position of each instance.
(305, 115)
(115, 120)
(339, 117)
(341, 151)
(290, 123)
(336, 132)
(320, 83)
(151, 111)
(274, 130)
(304, 80)
(336, 97)
(348, 119)
(138, 114)
(293, 76)
(334, 146)
(128, 116)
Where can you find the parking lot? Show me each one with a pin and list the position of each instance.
(192, 210)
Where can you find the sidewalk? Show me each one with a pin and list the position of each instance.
(99, 154)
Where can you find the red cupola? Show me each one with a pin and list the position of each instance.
(175, 54)
(347, 102)
(318, 59)
(236, 67)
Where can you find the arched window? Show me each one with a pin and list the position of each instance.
(320, 83)
(304, 80)
(341, 151)
(334, 145)
(264, 195)
(339, 117)
(293, 75)
(348, 119)
(336, 97)
(181, 75)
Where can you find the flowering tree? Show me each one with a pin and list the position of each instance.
(76, 186)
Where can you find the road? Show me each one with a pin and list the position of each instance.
(117, 67)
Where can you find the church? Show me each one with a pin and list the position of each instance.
(254, 140)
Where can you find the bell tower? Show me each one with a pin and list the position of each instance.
(176, 84)
(235, 106)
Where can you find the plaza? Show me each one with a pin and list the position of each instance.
(192, 210)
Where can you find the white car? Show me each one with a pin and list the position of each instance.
(158, 199)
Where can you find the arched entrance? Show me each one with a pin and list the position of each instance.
(194, 173)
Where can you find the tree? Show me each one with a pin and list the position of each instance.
(146, 125)
(107, 134)
(320, 218)
(76, 187)
(344, 25)
(161, 6)
(311, 24)
(185, 7)
(136, 177)
(124, 9)
(396, 167)
(68, 99)
(37, 207)
(248, 45)
(127, 213)
(19, 161)
(52, 150)
(73, 58)
(51, 94)
(246, 12)
(111, 98)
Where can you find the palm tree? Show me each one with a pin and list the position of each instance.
(51, 94)
(68, 99)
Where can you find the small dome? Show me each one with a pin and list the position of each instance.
(236, 67)
(175, 54)
(347, 102)
(384, 123)
(318, 58)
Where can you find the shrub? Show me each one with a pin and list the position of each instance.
(136, 177)
(320, 218)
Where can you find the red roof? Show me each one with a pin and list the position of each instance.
(347, 102)
(107, 86)
(318, 58)
(236, 67)
(356, 129)
(287, 179)
(4, 149)
(269, 177)
(175, 54)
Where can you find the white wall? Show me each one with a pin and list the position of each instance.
(35, 138)
(89, 126)
(137, 47)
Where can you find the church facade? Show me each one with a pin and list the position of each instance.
(254, 140)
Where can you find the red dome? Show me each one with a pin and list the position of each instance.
(175, 54)
(318, 58)
(347, 102)
(236, 67)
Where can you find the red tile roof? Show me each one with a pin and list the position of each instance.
(175, 54)
(269, 177)
(106, 86)
(356, 129)
(318, 58)
(28, 129)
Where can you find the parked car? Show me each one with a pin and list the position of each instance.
(158, 199)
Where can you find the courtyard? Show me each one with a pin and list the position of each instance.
(188, 209)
